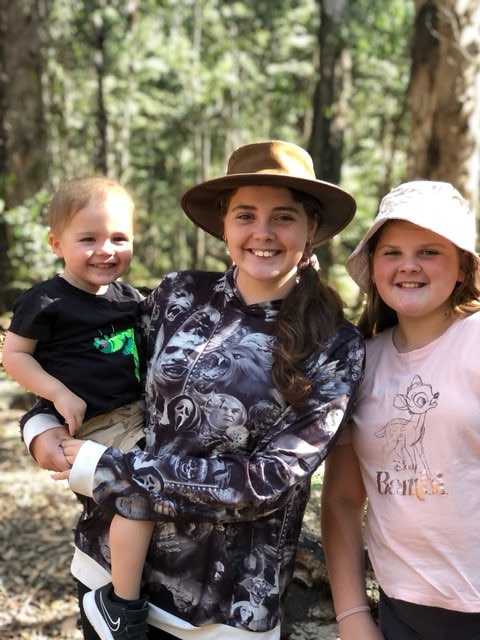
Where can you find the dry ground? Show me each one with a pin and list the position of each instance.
(37, 599)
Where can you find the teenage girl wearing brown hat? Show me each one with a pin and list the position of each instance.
(249, 380)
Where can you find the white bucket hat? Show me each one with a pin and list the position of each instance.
(436, 206)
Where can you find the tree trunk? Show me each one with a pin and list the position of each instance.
(22, 118)
(124, 141)
(22, 129)
(201, 140)
(101, 147)
(444, 94)
(331, 93)
(330, 103)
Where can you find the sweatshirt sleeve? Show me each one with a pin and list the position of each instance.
(227, 486)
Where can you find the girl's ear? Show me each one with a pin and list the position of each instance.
(55, 245)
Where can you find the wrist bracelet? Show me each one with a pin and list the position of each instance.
(350, 612)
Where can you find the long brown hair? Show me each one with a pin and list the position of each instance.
(464, 299)
(309, 315)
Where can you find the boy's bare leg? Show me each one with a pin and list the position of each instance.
(129, 540)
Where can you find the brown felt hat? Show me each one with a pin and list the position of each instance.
(272, 163)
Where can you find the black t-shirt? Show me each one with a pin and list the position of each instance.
(87, 341)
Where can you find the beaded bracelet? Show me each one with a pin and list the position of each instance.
(350, 612)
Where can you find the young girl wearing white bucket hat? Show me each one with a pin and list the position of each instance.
(413, 445)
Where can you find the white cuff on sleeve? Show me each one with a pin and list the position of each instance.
(81, 474)
(37, 424)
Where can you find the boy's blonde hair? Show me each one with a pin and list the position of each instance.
(75, 194)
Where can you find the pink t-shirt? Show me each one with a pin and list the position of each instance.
(417, 434)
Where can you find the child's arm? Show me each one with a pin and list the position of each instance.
(18, 361)
(46, 449)
(343, 501)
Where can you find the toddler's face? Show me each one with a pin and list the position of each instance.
(97, 243)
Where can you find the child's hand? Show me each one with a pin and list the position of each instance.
(72, 408)
(62, 475)
(71, 446)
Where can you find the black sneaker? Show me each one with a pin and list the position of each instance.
(112, 620)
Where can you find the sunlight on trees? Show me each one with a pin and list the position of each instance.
(158, 94)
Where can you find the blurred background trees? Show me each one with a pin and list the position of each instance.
(158, 93)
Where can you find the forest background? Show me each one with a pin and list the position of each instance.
(158, 93)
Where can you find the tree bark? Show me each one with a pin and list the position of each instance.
(331, 92)
(101, 147)
(22, 127)
(22, 118)
(330, 103)
(124, 141)
(444, 94)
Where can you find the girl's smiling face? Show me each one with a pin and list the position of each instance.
(415, 270)
(266, 232)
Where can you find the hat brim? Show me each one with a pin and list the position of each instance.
(338, 206)
(358, 262)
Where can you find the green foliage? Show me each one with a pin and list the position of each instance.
(29, 252)
(186, 81)
(379, 34)
(375, 140)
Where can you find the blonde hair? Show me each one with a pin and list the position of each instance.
(75, 194)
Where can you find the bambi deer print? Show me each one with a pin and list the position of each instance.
(403, 448)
